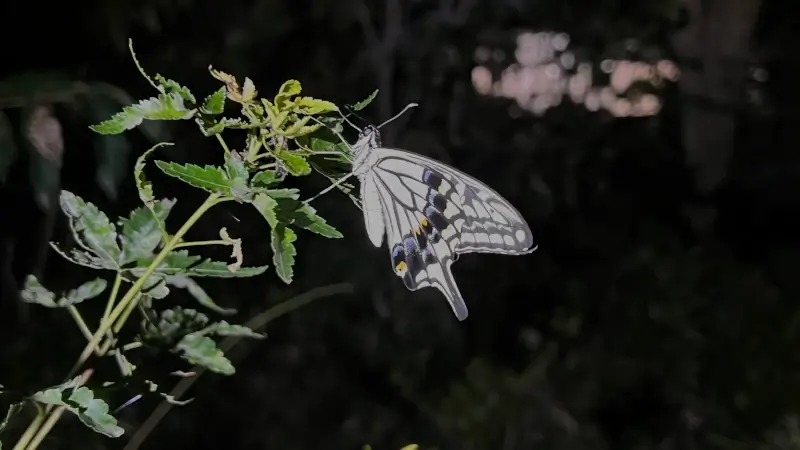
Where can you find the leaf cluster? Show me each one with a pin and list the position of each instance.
(287, 135)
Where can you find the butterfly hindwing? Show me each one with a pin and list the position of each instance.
(420, 257)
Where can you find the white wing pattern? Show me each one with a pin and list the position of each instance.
(431, 213)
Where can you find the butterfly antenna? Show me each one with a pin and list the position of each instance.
(409, 106)
(348, 121)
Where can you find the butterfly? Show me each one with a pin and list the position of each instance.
(430, 213)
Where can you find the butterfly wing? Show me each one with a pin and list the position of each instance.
(419, 256)
(474, 218)
(373, 210)
(432, 213)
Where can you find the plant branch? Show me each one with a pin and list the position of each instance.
(129, 300)
(256, 323)
(200, 243)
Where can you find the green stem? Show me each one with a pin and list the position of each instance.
(76, 315)
(137, 286)
(199, 243)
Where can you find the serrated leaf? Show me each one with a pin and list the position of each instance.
(208, 178)
(86, 291)
(34, 292)
(237, 174)
(182, 263)
(113, 151)
(142, 230)
(215, 103)
(168, 86)
(293, 212)
(364, 103)
(144, 187)
(295, 164)
(249, 91)
(313, 106)
(84, 258)
(93, 412)
(266, 205)
(281, 193)
(283, 252)
(214, 128)
(202, 350)
(93, 226)
(199, 294)
(8, 146)
(164, 107)
(115, 98)
(288, 89)
(223, 328)
(155, 286)
(173, 324)
(300, 128)
(265, 178)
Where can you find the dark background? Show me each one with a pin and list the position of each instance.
(660, 311)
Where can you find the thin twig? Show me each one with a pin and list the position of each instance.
(256, 323)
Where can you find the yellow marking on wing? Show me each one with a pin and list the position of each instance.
(401, 266)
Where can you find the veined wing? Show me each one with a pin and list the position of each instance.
(469, 215)
(419, 255)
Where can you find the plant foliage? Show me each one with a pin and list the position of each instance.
(146, 260)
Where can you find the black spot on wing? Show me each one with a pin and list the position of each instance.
(432, 178)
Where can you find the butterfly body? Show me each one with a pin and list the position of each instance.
(430, 213)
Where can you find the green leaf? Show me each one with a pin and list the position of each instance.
(214, 128)
(281, 193)
(79, 400)
(283, 252)
(86, 291)
(172, 325)
(208, 178)
(156, 286)
(266, 205)
(194, 289)
(237, 175)
(112, 151)
(215, 103)
(164, 107)
(8, 146)
(223, 328)
(364, 103)
(313, 106)
(293, 212)
(34, 292)
(142, 230)
(168, 86)
(249, 91)
(295, 164)
(85, 259)
(266, 178)
(144, 187)
(180, 262)
(102, 93)
(93, 226)
(288, 89)
(202, 350)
